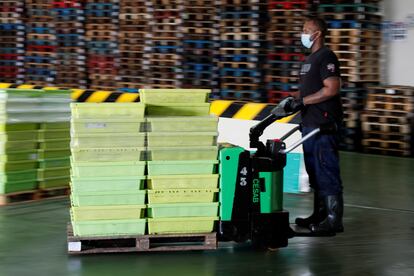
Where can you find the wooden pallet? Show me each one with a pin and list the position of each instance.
(240, 87)
(387, 98)
(32, 196)
(140, 243)
(394, 152)
(238, 65)
(289, 80)
(386, 144)
(240, 51)
(387, 136)
(401, 128)
(352, 47)
(379, 105)
(393, 90)
(387, 118)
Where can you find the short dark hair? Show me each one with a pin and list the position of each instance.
(320, 23)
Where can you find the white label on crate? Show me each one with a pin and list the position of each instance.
(33, 156)
(390, 91)
(74, 246)
(95, 125)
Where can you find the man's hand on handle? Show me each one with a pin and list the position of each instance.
(292, 105)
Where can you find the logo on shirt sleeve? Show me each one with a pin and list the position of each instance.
(331, 67)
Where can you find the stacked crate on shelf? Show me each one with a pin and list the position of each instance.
(354, 35)
(134, 22)
(12, 42)
(200, 45)
(101, 24)
(285, 53)
(18, 141)
(388, 120)
(182, 154)
(54, 140)
(41, 44)
(242, 52)
(70, 53)
(163, 51)
(108, 169)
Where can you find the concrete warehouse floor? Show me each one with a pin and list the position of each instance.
(378, 238)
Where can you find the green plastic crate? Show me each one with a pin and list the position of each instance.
(181, 167)
(56, 182)
(18, 176)
(107, 110)
(154, 96)
(55, 153)
(86, 185)
(132, 197)
(50, 144)
(110, 125)
(55, 125)
(54, 134)
(18, 126)
(53, 172)
(6, 147)
(108, 140)
(182, 196)
(203, 181)
(173, 210)
(183, 109)
(97, 169)
(18, 166)
(108, 154)
(182, 153)
(18, 136)
(54, 163)
(181, 225)
(175, 139)
(108, 212)
(183, 124)
(19, 156)
(20, 186)
(109, 227)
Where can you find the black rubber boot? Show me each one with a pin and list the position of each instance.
(318, 215)
(332, 224)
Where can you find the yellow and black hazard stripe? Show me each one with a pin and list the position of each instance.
(83, 95)
(247, 111)
(93, 96)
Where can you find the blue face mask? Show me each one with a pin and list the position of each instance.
(306, 41)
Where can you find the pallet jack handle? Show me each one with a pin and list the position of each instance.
(327, 128)
(299, 142)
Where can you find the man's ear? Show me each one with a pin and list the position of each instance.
(316, 35)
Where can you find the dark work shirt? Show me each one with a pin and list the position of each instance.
(317, 67)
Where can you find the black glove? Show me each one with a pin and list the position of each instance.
(292, 105)
(287, 107)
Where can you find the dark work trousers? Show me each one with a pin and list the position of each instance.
(322, 162)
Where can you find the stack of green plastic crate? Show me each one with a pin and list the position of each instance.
(108, 169)
(182, 159)
(19, 123)
(54, 139)
(35, 139)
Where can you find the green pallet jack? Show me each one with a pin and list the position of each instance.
(251, 188)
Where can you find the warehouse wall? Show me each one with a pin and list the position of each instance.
(399, 54)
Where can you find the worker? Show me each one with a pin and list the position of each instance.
(320, 104)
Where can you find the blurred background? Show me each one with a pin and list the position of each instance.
(244, 50)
